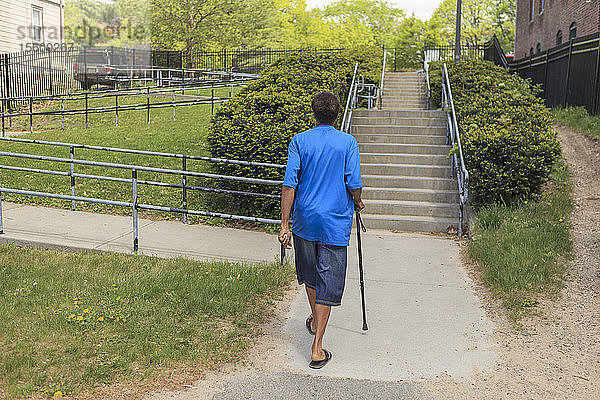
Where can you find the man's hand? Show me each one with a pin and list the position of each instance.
(359, 205)
(285, 237)
(356, 196)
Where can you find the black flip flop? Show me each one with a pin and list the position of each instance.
(309, 321)
(321, 364)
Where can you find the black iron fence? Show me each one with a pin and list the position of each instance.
(51, 71)
(569, 74)
(445, 53)
(493, 52)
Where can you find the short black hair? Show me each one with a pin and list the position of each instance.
(326, 108)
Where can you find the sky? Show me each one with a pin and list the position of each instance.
(421, 8)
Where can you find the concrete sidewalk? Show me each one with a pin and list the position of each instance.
(78, 230)
(424, 319)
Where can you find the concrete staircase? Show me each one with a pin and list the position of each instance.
(404, 160)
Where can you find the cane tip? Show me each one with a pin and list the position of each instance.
(365, 327)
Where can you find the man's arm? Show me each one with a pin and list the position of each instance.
(356, 195)
(287, 198)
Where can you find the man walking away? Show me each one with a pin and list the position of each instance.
(323, 184)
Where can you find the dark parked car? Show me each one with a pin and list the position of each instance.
(105, 67)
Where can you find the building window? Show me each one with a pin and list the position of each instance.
(573, 31)
(36, 24)
(559, 38)
(538, 48)
(531, 9)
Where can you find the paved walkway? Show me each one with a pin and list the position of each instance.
(424, 319)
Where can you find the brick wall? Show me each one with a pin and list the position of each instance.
(557, 15)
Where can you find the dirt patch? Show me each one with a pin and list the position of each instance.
(555, 354)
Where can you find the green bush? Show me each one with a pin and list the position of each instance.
(259, 123)
(506, 130)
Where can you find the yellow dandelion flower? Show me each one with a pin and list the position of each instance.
(118, 297)
(101, 319)
(124, 319)
(86, 310)
(79, 318)
(72, 316)
(118, 318)
(58, 394)
(560, 220)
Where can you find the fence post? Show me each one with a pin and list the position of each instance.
(135, 211)
(173, 103)
(147, 105)
(1, 226)
(72, 156)
(50, 70)
(3, 128)
(85, 69)
(86, 110)
(30, 114)
(184, 182)
(212, 98)
(597, 82)
(62, 113)
(568, 73)
(546, 72)
(7, 93)
(395, 59)
(116, 109)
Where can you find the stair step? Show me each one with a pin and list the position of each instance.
(403, 139)
(399, 114)
(411, 182)
(400, 121)
(413, 208)
(400, 158)
(399, 129)
(409, 194)
(435, 171)
(408, 223)
(432, 149)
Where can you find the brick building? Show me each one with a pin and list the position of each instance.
(543, 24)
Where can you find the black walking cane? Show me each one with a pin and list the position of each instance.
(359, 226)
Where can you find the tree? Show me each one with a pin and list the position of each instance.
(92, 23)
(480, 21)
(378, 17)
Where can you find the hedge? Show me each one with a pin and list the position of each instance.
(508, 141)
(259, 123)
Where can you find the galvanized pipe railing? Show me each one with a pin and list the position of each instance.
(350, 102)
(459, 169)
(135, 182)
(380, 94)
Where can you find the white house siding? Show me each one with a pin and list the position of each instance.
(16, 20)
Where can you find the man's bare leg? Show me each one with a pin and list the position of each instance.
(312, 297)
(321, 315)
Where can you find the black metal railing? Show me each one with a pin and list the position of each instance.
(493, 52)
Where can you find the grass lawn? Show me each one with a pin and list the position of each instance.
(522, 248)
(186, 135)
(579, 119)
(72, 321)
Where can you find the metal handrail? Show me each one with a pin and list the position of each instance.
(426, 69)
(350, 102)
(141, 152)
(459, 168)
(380, 94)
(135, 182)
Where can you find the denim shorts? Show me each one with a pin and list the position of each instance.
(321, 267)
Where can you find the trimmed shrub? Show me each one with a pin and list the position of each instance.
(506, 130)
(259, 123)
